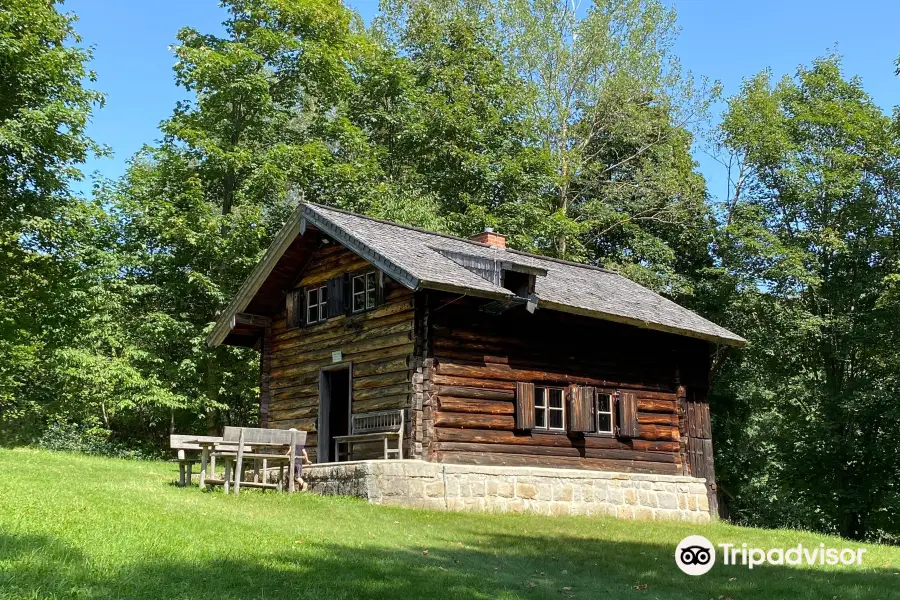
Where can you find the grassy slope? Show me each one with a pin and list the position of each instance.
(80, 527)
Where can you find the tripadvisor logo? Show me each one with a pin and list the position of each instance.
(696, 555)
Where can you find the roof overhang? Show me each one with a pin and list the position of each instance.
(736, 342)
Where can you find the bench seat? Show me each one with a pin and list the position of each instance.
(372, 426)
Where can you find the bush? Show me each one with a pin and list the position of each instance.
(88, 439)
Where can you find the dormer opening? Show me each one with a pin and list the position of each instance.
(520, 284)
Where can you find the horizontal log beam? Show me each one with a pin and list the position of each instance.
(444, 434)
(475, 393)
(468, 405)
(565, 462)
(580, 451)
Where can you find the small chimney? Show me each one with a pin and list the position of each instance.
(490, 238)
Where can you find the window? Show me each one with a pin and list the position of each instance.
(549, 409)
(316, 304)
(364, 291)
(603, 413)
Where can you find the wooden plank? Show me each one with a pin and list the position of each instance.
(381, 392)
(475, 421)
(474, 393)
(519, 460)
(508, 373)
(286, 355)
(403, 349)
(283, 364)
(389, 364)
(387, 402)
(347, 321)
(469, 405)
(373, 381)
(440, 380)
(575, 451)
(657, 419)
(444, 434)
(652, 405)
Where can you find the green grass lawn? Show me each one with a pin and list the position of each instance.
(73, 526)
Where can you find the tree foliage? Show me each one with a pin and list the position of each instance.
(810, 241)
(568, 127)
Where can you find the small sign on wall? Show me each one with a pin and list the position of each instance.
(337, 356)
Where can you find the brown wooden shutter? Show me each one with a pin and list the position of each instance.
(524, 405)
(335, 296)
(379, 288)
(292, 309)
(348, 294)
(627, 413)
(581, 401)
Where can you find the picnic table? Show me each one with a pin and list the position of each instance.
(263, 446)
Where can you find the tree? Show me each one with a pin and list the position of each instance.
(596, 80)
(450, 123)
(197, 212)
(809, 242)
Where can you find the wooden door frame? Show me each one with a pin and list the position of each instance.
(323, 443)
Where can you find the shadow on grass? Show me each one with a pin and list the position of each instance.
(500, 566)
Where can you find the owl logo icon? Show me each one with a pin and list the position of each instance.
(695, 555)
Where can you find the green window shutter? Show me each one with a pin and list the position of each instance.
(524, 405)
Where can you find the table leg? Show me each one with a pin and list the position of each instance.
(204, 460)
(227, 460)
(239, 467)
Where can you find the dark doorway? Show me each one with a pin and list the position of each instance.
(334, 410)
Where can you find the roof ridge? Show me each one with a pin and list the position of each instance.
(466, 240)
(401, 225)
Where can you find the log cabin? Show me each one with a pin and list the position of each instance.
(489, 356)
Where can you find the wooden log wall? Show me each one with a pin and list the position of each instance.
(478, 358)
(379, 344)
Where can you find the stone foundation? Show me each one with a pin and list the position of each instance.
(420, 484)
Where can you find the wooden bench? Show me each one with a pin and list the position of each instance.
(372, 426)
(182, 444)
(277, 446)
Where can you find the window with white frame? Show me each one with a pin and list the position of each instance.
(365, 287)
(603, 413)
(316, 304)
(549, 408)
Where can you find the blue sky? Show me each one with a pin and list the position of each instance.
(721, 39)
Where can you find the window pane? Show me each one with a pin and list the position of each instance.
(556, 398)
(556, 419)
(323, 296)
(540, 418)
(312, 297)
(540, 396)
(359, 302)
(312, 315)
(359, 284)
(604, 423)
(603, 402)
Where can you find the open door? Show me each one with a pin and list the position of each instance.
(334, 410)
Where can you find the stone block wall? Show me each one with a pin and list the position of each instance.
(420, 484)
